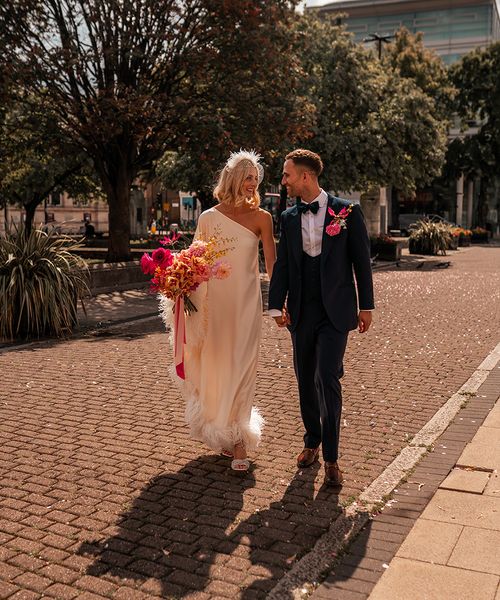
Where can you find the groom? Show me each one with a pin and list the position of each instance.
(323, 246)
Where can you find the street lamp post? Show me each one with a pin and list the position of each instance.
(379, 39)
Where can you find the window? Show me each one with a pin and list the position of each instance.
(389, 25)
(464, 18)
(425, 22)
(358, 28)
(55, 199)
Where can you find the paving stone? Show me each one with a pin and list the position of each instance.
(493, 418)
(463, 480)
(493, 487)
(413, 580)
(477, 549)
(430, 541)
(483, 451)
(7, 589)
(463, 509)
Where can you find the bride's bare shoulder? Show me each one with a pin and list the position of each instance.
(263, 214)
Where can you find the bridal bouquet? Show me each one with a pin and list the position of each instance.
(177, 275)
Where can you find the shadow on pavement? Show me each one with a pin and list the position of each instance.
(351, 562)
(178, 528)
(415, 262)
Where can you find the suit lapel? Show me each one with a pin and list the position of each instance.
(326, 243)
(295, 234)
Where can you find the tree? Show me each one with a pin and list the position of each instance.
(408, 56)
(262, 105)
(477, 78)
(128, 79)
(36, 160)
(374, 127)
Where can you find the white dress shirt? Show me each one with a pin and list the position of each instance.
(313, 226)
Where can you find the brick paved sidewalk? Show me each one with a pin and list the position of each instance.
(103, 495)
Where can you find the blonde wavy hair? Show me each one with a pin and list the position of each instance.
(228, 189)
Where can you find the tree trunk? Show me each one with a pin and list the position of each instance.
(30, 209)
(206, 199)
(118, 194)
(482, 208)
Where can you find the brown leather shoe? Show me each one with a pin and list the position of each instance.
(333, 475)
(307, 457)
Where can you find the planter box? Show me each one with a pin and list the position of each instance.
(453, 245)
(116, 276)
(464, 240)
(479, 238)
(386, 251)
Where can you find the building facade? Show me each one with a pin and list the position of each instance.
(68, 215)
(451, 28)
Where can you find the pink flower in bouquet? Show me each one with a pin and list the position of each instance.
(221, 270)
(333, 229)
(170, 239)
(162, 258)
(148, 265)
(197, 248)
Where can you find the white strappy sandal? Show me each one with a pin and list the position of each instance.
(240, 464)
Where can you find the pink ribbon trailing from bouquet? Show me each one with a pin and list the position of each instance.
(179, 337)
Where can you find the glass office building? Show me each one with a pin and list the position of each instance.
(450, 27)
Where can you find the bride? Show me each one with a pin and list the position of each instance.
(223, 337)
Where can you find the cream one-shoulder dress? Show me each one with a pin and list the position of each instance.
(222, 343)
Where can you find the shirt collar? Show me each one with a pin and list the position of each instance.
(321, 199)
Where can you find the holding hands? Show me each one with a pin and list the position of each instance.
(284, 319)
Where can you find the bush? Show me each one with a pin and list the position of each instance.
(41, 282)
(430, 238)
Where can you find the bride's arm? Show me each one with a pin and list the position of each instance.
(268, 244)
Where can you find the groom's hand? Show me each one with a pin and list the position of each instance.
(284, 320)
(364, 320)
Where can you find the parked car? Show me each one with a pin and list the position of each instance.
(407, 220)
(440, 219)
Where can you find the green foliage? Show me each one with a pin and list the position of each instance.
(477, 77)
(374, 126)
(37, 158)
(41, 282)
(408, 56)
(260, 104)
(430, 238)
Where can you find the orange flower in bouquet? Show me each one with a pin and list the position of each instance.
(177, 275)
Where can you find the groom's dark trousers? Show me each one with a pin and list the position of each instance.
(318, 354)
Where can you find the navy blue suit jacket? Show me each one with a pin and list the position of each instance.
(343, 257)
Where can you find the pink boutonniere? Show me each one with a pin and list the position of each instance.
(338, 221)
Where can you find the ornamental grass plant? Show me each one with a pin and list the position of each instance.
(41, 282)
(430, 238)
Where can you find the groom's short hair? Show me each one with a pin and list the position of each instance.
(305, 158)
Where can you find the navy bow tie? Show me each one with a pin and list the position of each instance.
(312, 206)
